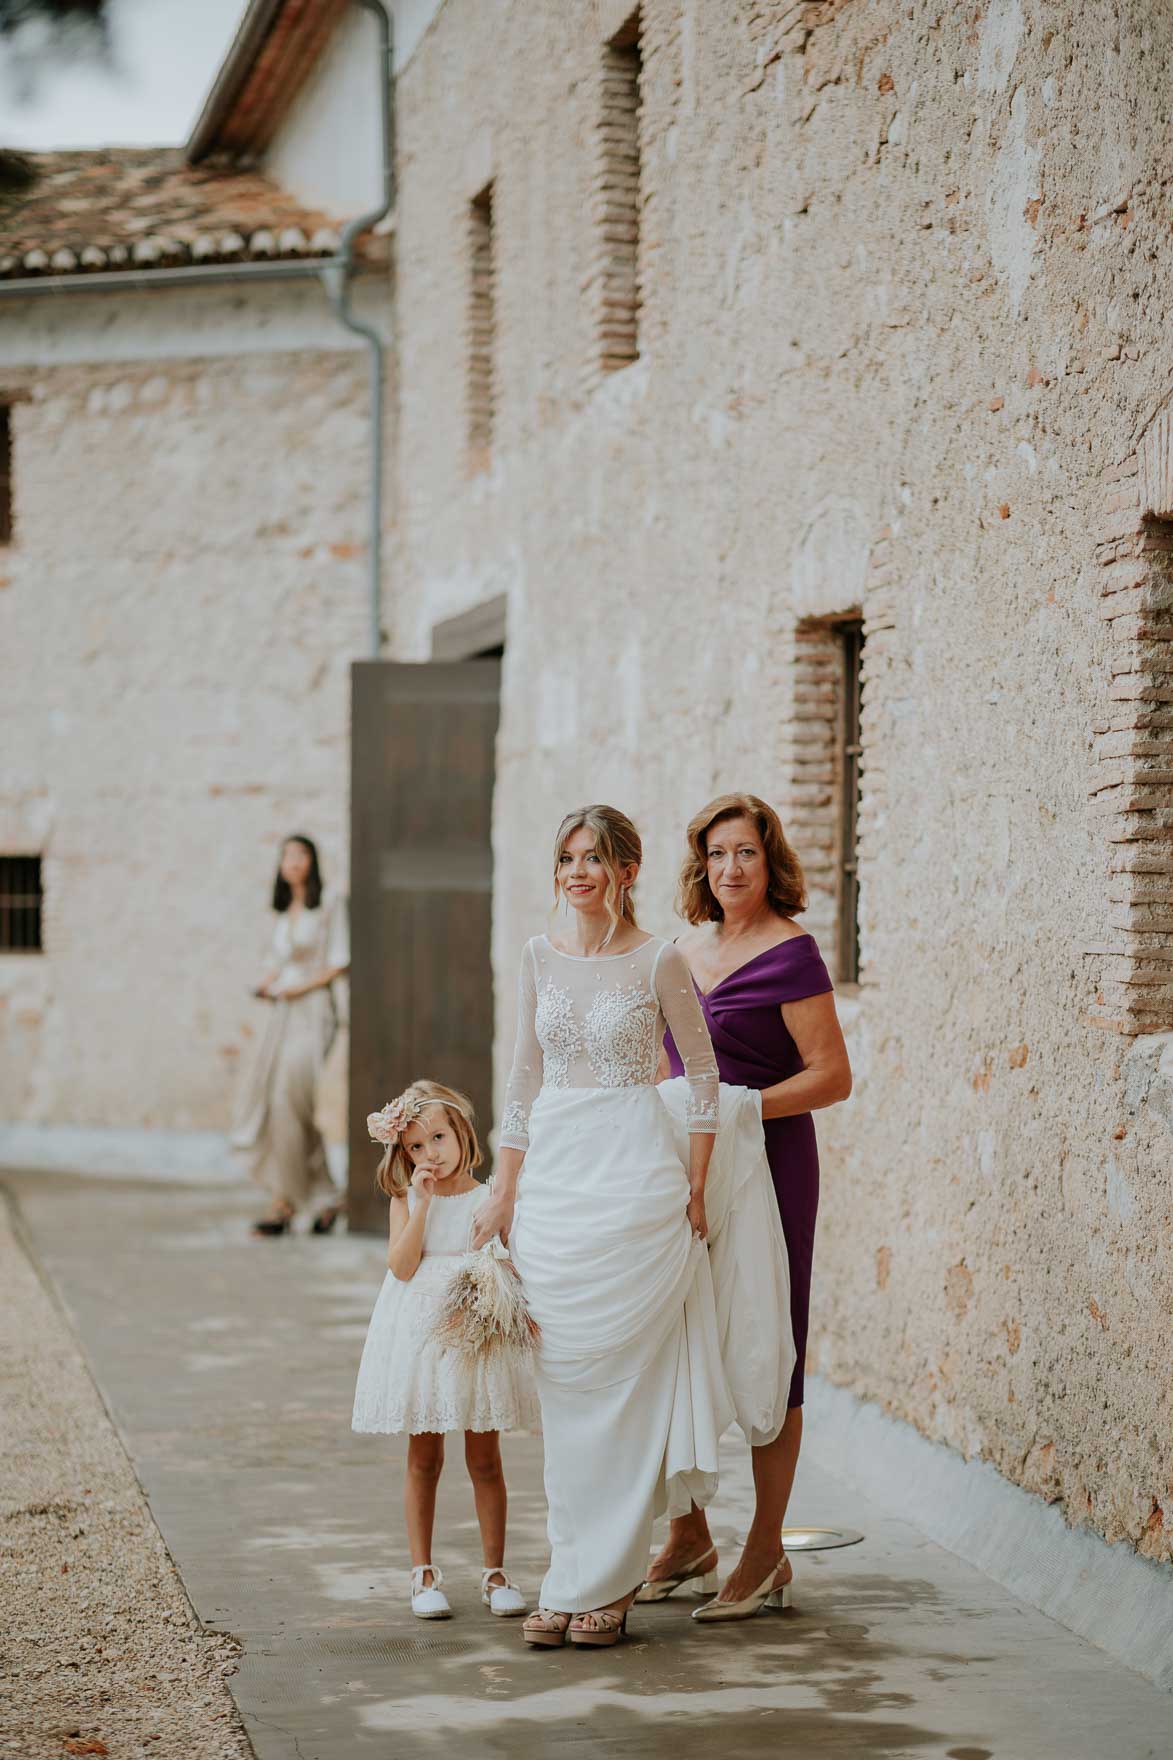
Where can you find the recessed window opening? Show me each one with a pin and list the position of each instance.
(482, 330)
(5, 474)
(20, 904)
(614, 285)
(850, 639)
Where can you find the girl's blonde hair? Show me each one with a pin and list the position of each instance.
(785, 886)
(396, 1168)
(617, 845)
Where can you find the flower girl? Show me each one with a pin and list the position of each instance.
(411, 1379)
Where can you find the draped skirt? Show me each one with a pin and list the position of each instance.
(651, 1345)
(629, 1371)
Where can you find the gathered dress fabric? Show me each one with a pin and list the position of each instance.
(754, 1049)
(628, 1366)
(747, 1259)
(275, 1126)
(407, 1382)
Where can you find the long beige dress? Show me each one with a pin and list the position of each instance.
(275, 1124)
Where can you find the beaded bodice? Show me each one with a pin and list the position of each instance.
(599, 1023)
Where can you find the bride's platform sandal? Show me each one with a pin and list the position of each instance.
(771, 1593)
(504, 1599)
(546, 1629)
(611, 1627)
(698, 1578)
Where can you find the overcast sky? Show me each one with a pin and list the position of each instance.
(165, 53)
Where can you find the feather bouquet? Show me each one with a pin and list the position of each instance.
(484, 1310)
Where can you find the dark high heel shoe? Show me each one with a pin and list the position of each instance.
(325, 1219)
(274, 1225)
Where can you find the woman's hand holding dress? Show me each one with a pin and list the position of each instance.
(494, 1219)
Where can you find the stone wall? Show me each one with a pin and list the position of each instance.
(901, 327)
(178, 613)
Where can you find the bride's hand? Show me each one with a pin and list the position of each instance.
(494, 1217)
(697, 1220)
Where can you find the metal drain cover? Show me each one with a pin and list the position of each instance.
(367, 1649)
(819, 1539)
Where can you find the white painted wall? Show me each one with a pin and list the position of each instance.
(412, 18)
(328, 150)
(188, 324)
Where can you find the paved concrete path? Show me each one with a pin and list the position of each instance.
(229, 1365)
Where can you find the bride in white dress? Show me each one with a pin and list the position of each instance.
(608, 1233)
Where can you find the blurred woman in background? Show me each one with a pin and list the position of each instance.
(276, 1124)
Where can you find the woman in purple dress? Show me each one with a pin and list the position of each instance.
(770, 1012)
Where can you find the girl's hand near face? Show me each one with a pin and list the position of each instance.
(423, 1181)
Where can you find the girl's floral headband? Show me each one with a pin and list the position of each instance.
(389, 1125)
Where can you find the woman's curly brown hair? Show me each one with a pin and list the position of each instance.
(785, 889)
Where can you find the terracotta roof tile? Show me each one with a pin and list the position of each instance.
(85, 212)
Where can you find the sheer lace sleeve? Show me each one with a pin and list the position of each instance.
(673, 989)
(525, 1078)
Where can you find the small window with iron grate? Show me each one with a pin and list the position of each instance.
(21, 899)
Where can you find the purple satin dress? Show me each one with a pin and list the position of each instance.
(744, 1017)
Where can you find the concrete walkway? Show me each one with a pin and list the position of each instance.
(229, 1366)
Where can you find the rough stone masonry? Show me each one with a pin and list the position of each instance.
(902, 352)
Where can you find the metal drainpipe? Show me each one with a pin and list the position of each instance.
(335, 274)
(337, 280)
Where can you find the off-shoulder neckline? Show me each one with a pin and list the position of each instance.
(746, 963)
(586, 959)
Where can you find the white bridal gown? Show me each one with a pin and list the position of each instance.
(629, 1371)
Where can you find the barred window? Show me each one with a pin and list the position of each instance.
(20, 904)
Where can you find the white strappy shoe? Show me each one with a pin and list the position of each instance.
(771, 1593)
(504, 1598)
(428, 1603)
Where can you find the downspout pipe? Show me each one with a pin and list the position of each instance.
(337, 279)
(335, 274)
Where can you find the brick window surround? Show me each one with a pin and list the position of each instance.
(481, 330)
(823, 764)
(1131, 788)
(840, 627)
(612, 281)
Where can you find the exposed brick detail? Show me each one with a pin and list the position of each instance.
(481, 329)
(812, 792)
(612, 282)
(1131, 788)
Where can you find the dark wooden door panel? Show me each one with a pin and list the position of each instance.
(421, 986)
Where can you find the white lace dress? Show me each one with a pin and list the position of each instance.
(629, 1371)
(406, 1383)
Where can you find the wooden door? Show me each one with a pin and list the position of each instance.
(421, 985)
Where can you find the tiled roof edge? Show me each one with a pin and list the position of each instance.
(156, 251)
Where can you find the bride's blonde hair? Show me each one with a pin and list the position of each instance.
(395, 1170)
(617, 845)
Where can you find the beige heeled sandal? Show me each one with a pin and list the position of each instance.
(546, 1629)
(610, 1628)
(701, 1574)
(773, 1593)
